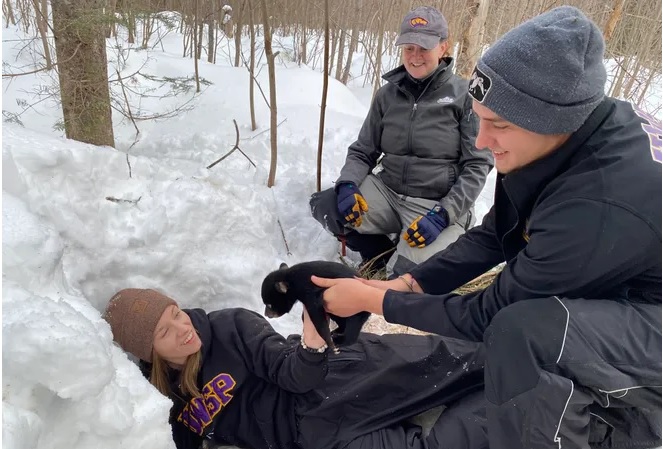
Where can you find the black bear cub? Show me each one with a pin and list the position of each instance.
(283, 287)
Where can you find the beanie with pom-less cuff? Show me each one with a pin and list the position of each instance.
(133, 314)
(546, 75)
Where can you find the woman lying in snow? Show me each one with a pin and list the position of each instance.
(235, 380)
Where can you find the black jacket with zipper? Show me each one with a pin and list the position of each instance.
(582, 222)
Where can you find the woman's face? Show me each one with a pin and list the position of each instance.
(420, 62)
(175, 338)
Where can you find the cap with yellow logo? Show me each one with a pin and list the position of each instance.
(424, 26)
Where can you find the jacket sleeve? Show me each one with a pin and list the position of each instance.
(474, 253)
(474, 167)
(269, 356)
(364, 152)
(576, 249)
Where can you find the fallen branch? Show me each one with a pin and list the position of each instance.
(284, 239)
(235, 147)
(120, 200)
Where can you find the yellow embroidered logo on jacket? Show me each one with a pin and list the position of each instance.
(418, 22)
(200, 412)
(526, 231)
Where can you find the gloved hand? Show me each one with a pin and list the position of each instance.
(425, 228)
(351, 204)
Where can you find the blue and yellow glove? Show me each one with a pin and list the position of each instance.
(351, 204)
(425, 228)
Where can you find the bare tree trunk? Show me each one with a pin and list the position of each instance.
(303, 44)
(272, 93)
(341, 50)
(23, 14)
(148, 24)
(323, 104)
(196, 43)
(354, 39)
(633, 76)
(378, 59)
(472, 37)
(42, 25)
(80, 48)
(238, 33)
(131, 26)
(613, 19)
(645, 88)
(330, 64)
(200, 28)
(211, 39)
(616, 87)
(8, 12)
(252, 67)
(111, 30)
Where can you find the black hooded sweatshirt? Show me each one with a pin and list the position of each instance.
(249, 379)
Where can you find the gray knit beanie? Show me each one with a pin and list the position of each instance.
(546, 75)
(133, 314)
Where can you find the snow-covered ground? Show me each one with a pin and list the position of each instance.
(81, 222)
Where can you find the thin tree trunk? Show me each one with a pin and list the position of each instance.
(354, 39)
(201, 29)
(8, 11)
(131, 27)
(211, 39)
(111, 29)
(42, 15)
(330, 64)
(341, 50)
(252, 67)
(378, 59)
(272, 94)
(633, 76)
(323, 104)
(195, 43)
(80, 46)
(238, 33)
(613, 19)
(472, 37)
(303, 44)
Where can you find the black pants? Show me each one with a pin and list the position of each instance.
(564, 373)
(375, 385)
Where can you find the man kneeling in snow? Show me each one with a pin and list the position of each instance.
(572, 325)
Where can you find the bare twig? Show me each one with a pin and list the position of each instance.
(254, 78)
(13, 75)
(120, 200)
(287, 249)
(265, 130)
(235, 147)
(126, 99)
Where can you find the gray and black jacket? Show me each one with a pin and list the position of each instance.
(427, 142)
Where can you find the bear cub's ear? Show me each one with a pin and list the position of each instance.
(281, 287)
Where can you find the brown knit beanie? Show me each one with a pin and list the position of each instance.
(133, 314)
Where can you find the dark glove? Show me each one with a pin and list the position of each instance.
(351, 204)
(425, 228)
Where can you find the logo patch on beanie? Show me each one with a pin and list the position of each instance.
(479, 85)
(417, 22)
(139, 306)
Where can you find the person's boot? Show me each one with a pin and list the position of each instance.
(375, 249)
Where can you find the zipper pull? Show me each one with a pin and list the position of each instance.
(414, 109)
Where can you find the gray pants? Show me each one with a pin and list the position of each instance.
(389, 213)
